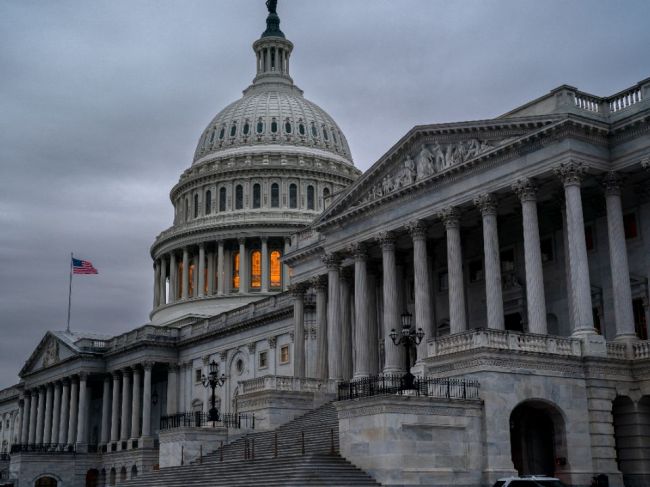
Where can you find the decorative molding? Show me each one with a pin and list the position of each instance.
(298, 290)
(526, 189)
(386, 240)
(252, 347)
(486, 203)
(223, 356)
(332, 260)
(611, 182)
(450, 217)
(319, 283)
(273, 342)
(570, 173)
(359, 251)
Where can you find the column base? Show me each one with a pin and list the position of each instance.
(81, 448)
(146, 442)
(593, 345)
(626, 338)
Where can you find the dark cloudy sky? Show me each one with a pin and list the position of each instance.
(102, 103)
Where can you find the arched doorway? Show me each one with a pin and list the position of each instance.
(92, 478)
(537, 438)
(46, 482)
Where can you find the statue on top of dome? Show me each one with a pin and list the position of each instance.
(272, 5)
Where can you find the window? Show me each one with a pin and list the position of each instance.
(239, 197)
(239, 366)
(589, 237)
(212, 136)
(310, 197)
(276, 269)
(630, 226)
(198, 375)
(179, 286)
(256, 269)
(247, 128)
(314, 130)
(222, 199)
(301, 129)
(326, 195)
(325, 134)
(222, 133)
(260, 126)
(507, 260)
(257, 196)
(187, 209)
(275, 195)
(208, 202)
(235, 270)
(443, 281)
(546, 246)
(287, 127)
(274, 126)
(233, 129)
(263, 360)
(334, 137)
(284, 354)
(476, 270)
(190, 290)
(196, 206)
(293, 196)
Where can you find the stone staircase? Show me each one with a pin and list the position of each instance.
(303, 452)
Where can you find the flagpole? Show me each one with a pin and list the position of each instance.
(69, 294)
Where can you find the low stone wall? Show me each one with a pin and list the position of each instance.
(405, 440)
(180, 446)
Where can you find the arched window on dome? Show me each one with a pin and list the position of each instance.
(256, 269)
(222, 133)
(310, 197)
(233, 129)
(239, 197)
(274, 126)
(326, 135)
(287, 126)
(275, 269)
(208, 202)
(196, 206)
(326, 197)
(301, 129)
(334, 137)
(257, 196)
(247, 128)
(214, 132)
(314, 130)
(275, 195)
(187, 209)
(293, 196)
(235, 271)
(222, 199)
(260, 126)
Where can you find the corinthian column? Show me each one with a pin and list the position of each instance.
(136, 405)
(334, 329)
(362, 324)
(201, 270)
(172, 388)
(74, 412)
(173, 279)
(494, 298)
(535, 297)
(320, 286)
(56, 412)
(623, 312)
(346, 323)
(146, 400)
(163, 281)
(243, 266)
(571, 174)
(185, 290)
(82, 420)
(265, 265)
(41, 415)
(392, 362)
(24, 432)
(124, 421)
(285, 267)
(423, 317)
(106, 404)
(220, 274)
(298, 293)
(457, 316)
(47, 422)
(65, 408)
(33, 410)
(156, 284)
(115, 409)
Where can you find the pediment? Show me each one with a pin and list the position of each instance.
(49, 352)
(427, 153)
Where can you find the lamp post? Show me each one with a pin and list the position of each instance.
(213, 380)
(407, 338)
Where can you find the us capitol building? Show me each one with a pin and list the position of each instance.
(503, 262)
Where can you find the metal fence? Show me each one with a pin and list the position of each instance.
(43, 448)
(448, 388)
(199, 419)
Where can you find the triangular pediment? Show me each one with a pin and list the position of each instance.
(432, 152)
(50, 351)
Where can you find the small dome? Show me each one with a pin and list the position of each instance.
(273, 115)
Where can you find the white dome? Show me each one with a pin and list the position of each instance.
(272, 114)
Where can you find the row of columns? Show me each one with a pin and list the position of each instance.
(332, 352)
(166, 269)
(56, 413)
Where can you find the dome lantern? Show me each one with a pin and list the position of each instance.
(272, 51)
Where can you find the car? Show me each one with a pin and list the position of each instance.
(529, 481)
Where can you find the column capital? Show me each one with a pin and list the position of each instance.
(206, 359)
(645, 162)
(359, 250)
(241, 240)
(319, 282)
(332, 260)
(450, 217)
(252, 347)
(223, 356)
(298, 289)
(611, 183)
(526, 189)
(264, 239)
(83, 376)
(386, 240)
(417, 229)
(126, 371)
(65, 381)
(202, 245)
(173, 366)
(570, 173)
(292, 335)
(107, 377)
(486, 203)
(273, 342)
(147, 365)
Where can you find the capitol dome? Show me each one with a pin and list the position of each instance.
(265, 167)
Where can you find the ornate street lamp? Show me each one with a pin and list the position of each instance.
(407, 338)
(212, 381)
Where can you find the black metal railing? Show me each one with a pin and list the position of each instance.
(448, 388)
(200, 419)
(43, 448)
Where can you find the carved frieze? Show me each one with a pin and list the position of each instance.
(51, 355)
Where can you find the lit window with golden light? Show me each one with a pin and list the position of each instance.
(256, 269)
(235, 271)
(276, 269)
(179, 285)
(191, 283)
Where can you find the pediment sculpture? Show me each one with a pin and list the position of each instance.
(51, 355)
(430, 159)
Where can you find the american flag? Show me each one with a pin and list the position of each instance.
(82, 267)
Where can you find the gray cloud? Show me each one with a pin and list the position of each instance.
(101, 105)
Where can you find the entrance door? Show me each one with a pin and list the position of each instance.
(46, 482)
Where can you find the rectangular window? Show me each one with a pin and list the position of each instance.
(284, 354)
(443, 281)
(548, 254)
(589, 237)
(198, 375)
(475, 270)
(263, 360)
(630, 226)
